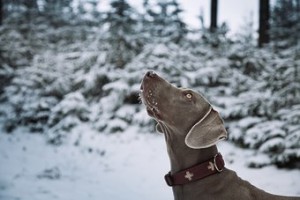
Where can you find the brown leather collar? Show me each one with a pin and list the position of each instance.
(197, 172)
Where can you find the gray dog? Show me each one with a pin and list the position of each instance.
(192, 128)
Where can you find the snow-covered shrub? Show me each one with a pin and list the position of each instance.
(258, 161)
(72, 104)
(267, 89)
(54, 92)
(15, 49)
(6, 74)
(262, 132)
(25, 105)
(109, 115)
(273, 145)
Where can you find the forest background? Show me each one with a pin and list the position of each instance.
(65, 65)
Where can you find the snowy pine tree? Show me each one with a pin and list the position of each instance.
(285, 23)
(164, 21)
(122, 35)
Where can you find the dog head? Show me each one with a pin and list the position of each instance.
(182, 111)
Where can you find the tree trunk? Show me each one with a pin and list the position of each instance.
(213, 15)
(1, 12)
(298, 9)
(264, 15)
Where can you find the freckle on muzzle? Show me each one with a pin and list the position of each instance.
(150, 89)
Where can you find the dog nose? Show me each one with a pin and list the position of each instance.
(150, 74)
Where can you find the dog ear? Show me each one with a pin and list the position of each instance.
(207, 132)
(158, 128)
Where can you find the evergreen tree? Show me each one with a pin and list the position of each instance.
(121, 33)
(165, 21)
(57, 6)
(181, 27)
(58, 12)
(285, 21)
(214, 35)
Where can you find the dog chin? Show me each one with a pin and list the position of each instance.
(153, 112)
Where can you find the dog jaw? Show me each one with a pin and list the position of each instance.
(148, 96)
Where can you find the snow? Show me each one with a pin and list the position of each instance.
(72, 125)
(121, 166)
(160, 50)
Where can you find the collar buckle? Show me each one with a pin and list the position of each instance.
(216, 165)
(168, 179)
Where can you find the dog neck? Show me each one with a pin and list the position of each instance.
(181, 156)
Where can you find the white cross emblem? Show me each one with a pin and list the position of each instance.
(189, 175)
(211, 166)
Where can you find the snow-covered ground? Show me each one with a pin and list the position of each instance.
(127, 166)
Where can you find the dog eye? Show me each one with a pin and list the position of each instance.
(189, 95)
